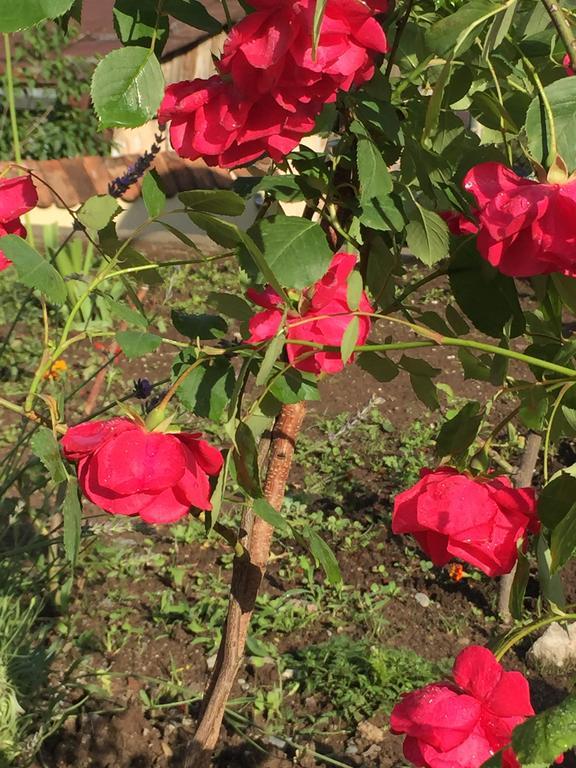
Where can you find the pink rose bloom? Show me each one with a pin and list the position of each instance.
(126, 470)
(272, 86)
(567, 64)
(458, 224)
(478, 520)
(323, 318)
(17, 197)
(526, 228)
(463, 722)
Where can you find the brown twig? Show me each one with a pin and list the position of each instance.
(522, 479)
(247, 576)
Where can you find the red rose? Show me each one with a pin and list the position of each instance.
(526, 228)
(462, 723)
(323, 318)
(17, 196)
(272, 85)
(126, 470)
(478, 520)
(458, 224)
(567, 64)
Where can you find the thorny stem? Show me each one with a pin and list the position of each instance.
(563, 28)
(247, 576)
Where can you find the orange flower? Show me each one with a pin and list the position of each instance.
(57, 368)
(456, 571)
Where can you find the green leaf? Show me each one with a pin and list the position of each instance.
(566, 287)
(349, 339)
(556, 499)
(323, 555)
(474, 367)
(519, 584)
(354, 290)
(180, 235)
(427, 235)
(435, 102)
(206, 390)
(125, 313)
(460, 326)
(266, 511)
(199, 326)
(294, 249)
(33, 270)
(127, 87)
(457, 31)
(498, 30)
(418, 367)
(130, 257)
(139, 23)
(218, 494)
(20, 15)
(544, 737)
(425, 390)
(382, 264)
(45, 446)
(319, 8)
(561, 95)
(246, 461)
(72, 520)
(563, 540)
(273, 352)
(224, 233)
(486, 297)
(219, 201)
(230, 305)
(153, 195)
(534, 407)
(192, 13)
(98, 211)
(550, 583)
(458, 433)
(373, 174)
(293, 386)
(378, 366)
(137, 343)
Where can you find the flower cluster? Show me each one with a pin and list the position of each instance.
(127, 470)
(272, 84)
(323, 317)
(17, 197)
(462, 723)
(478, 520)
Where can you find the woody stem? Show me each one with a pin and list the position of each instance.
(247, 575)
(563, 28)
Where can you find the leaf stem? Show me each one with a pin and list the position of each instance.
(516, 635)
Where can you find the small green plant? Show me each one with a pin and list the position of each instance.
(355, 679)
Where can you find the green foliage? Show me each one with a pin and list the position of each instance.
(33, 269)
(354, 679)
(127, 87)
(26, 14)
(51, 92)
(543, 738)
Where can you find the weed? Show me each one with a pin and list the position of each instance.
(355, 679)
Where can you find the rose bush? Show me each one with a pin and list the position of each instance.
(461, 723)
(323, 316)
(478, 520)
(126, 470)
